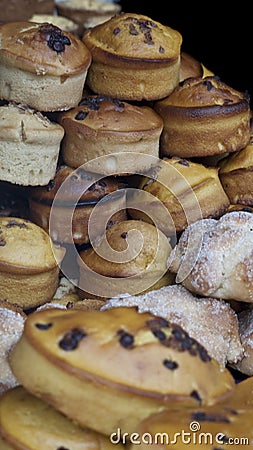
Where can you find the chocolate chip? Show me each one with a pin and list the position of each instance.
(183, 162)
(71, 339)
(171, 365)
(116, 31)
(81, 115)
(126, 339)
(50, 185)
(159, 334)
(124, 235)
(208, 85)
(43, 326)
(2, 242)
(161, 49)
(202, 416)
(14, 223)
(194, 394)
(56, 40)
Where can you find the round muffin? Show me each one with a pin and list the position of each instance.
(188, 191)
(29, 270)
(213, 258)
(82, 193)
(133, 58)
(48, 429)
(42, 66)
(12, 319)
(87, 13)
(129, 258)
(112, 136)
(204, 117)
(29, 145)
(139, 363)
(236, 175)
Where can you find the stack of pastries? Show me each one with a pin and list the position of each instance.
(126, 247)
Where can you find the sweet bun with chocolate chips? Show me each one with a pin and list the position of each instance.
(42, 66)
(133, 58)
(29, 263)
(29, 145)
(118, 131)
(138, 363)
(204, 117)
(81, 199)
(188, 190)
(48, 429)
(213, 258)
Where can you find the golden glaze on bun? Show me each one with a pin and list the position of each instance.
(204, 117)
(125, 64)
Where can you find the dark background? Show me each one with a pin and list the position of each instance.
(220, 39)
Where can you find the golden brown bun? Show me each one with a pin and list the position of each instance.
(215, 427)
(28, 266)
(131, 257)
(211, 322)
(102, 127)
(213, 258)
(41, 66)
(204, 117)
(190, 67)
(30, 145)
(188, 190)
(138, 363)
(133, 57)
(236, 175)
(82, 193)
(29, 423)
(12, 319)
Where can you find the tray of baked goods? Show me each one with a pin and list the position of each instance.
(126, 276)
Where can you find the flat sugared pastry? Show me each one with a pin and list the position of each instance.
(29, 423)
(29, 263)
(42, 66)
(213, 258)
(133, 58)
(120, 364)
(204, 117)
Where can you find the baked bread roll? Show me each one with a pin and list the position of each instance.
(80, 197)
(111, 135)
(133, 58)
(12, 319)
(29, 145)
(211, 322)
(29, 423)
(42, 66)
(29, 270)
(187, 190)
(129, 258)
(215, 427)
(139, 363)
(245, 319)
(213, 258)
(87, 13)
(204, 117)
(236, 175)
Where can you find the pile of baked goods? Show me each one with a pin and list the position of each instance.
(126, 249)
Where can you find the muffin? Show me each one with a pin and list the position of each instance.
(204, 117)
(80, 196)
(29, 270)
(178, 193)
(133, 58)
(29, 145)
(236, 175)
(213, 258)
(42, 66)
(87, 13)
(139, 363)
(110, 136)
(48, 429)
(129, 258)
